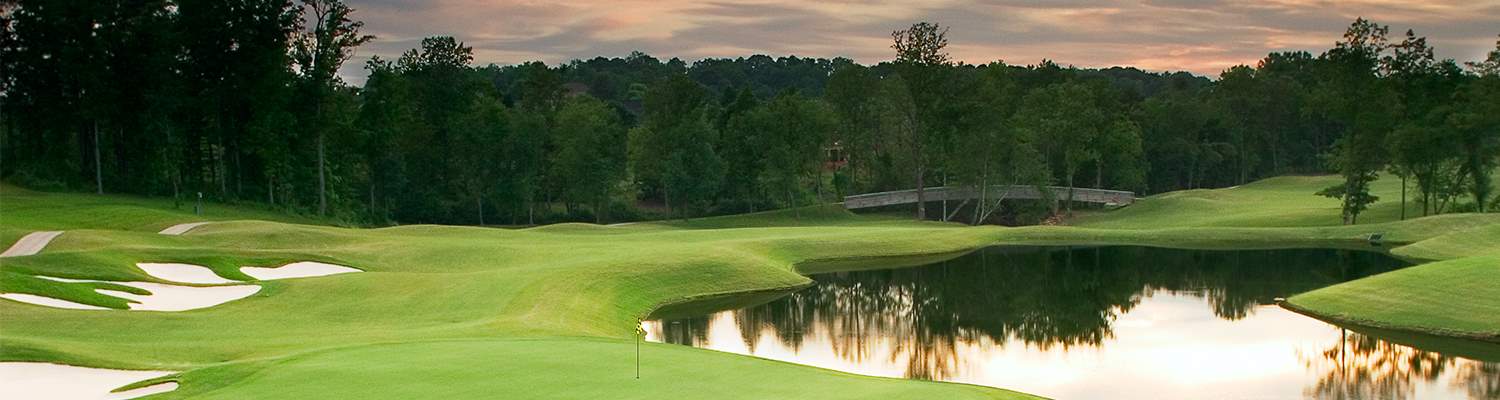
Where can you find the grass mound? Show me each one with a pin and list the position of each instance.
(1451, 298)
(1287, 201)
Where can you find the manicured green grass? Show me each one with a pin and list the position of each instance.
(1287, 201)
(1451, 298)
(446, 311)
(574, 368)
(23, 211)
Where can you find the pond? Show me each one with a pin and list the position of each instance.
(1101, 322)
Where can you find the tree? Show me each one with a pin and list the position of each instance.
(794, 129)
(1478, 123)
(442, 90)
(1488, 67)
(1238, 92)
(1477, 126)
(674, 109)
(693, 172)
(924, 43)
(742, 144)
(590, 158)
(388, 113)
(1353, 96)
(319, 52)
(1418, 147)
(1067, 119)
(479, 137)
(921, 56)
(1121, 157)
(851, 93)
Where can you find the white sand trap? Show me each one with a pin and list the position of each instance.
(297, 270)
(30, 244)
(185, 273)
(44, 301)
(31, 380)
(163, 297)
(180, 229)
(180, 298)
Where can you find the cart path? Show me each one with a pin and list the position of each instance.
(30, 244)
(181, 229)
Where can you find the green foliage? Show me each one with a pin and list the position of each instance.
(794, 130)
(693, 172)
(590, 154)
(242, 101)
(676, 112)
(924, 43)
(1070, 117)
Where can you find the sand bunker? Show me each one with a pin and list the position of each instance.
(163, 297)
(181, 229)
(185, 273)
(180, 298)
(30, 244)
(297, 270)
(166, 297)
(48, 301)
(29, 380)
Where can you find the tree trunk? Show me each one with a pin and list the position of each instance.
(372, 198)
(818, 183)
(1099, 173)
(921, 193)
(1403, 198)
(984, 191)
(1070, 193)
(945, 198)
(666, 198)
(1348, 191)
(239, 183)
(223, 175)
(599, 210)
(796, 213)
(479, 201)
(322, 178)
(98, 168)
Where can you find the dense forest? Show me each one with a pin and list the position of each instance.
(241, 101)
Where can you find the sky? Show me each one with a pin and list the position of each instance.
(1200, 36)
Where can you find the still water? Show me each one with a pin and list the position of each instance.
(1094, 323)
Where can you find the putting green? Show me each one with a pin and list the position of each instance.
(447, 311)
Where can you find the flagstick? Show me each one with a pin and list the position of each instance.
(638, 349)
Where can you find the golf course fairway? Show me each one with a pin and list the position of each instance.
(552, 311)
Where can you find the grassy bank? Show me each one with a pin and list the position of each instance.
(1455, 292)
(446, 311)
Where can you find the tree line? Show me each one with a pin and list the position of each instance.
(241, 101)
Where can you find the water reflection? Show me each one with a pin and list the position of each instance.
(1365, 367)
(1088, 323)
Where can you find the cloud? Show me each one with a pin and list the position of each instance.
(1201, 36)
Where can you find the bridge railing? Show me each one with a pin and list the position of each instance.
(940, 193)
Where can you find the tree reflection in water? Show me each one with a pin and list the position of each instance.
(1364, 367)
(1043, 298)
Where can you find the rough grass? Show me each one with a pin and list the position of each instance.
(448, 311)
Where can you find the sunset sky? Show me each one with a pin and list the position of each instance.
(1201, 36)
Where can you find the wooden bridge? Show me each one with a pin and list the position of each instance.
(941, 193)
